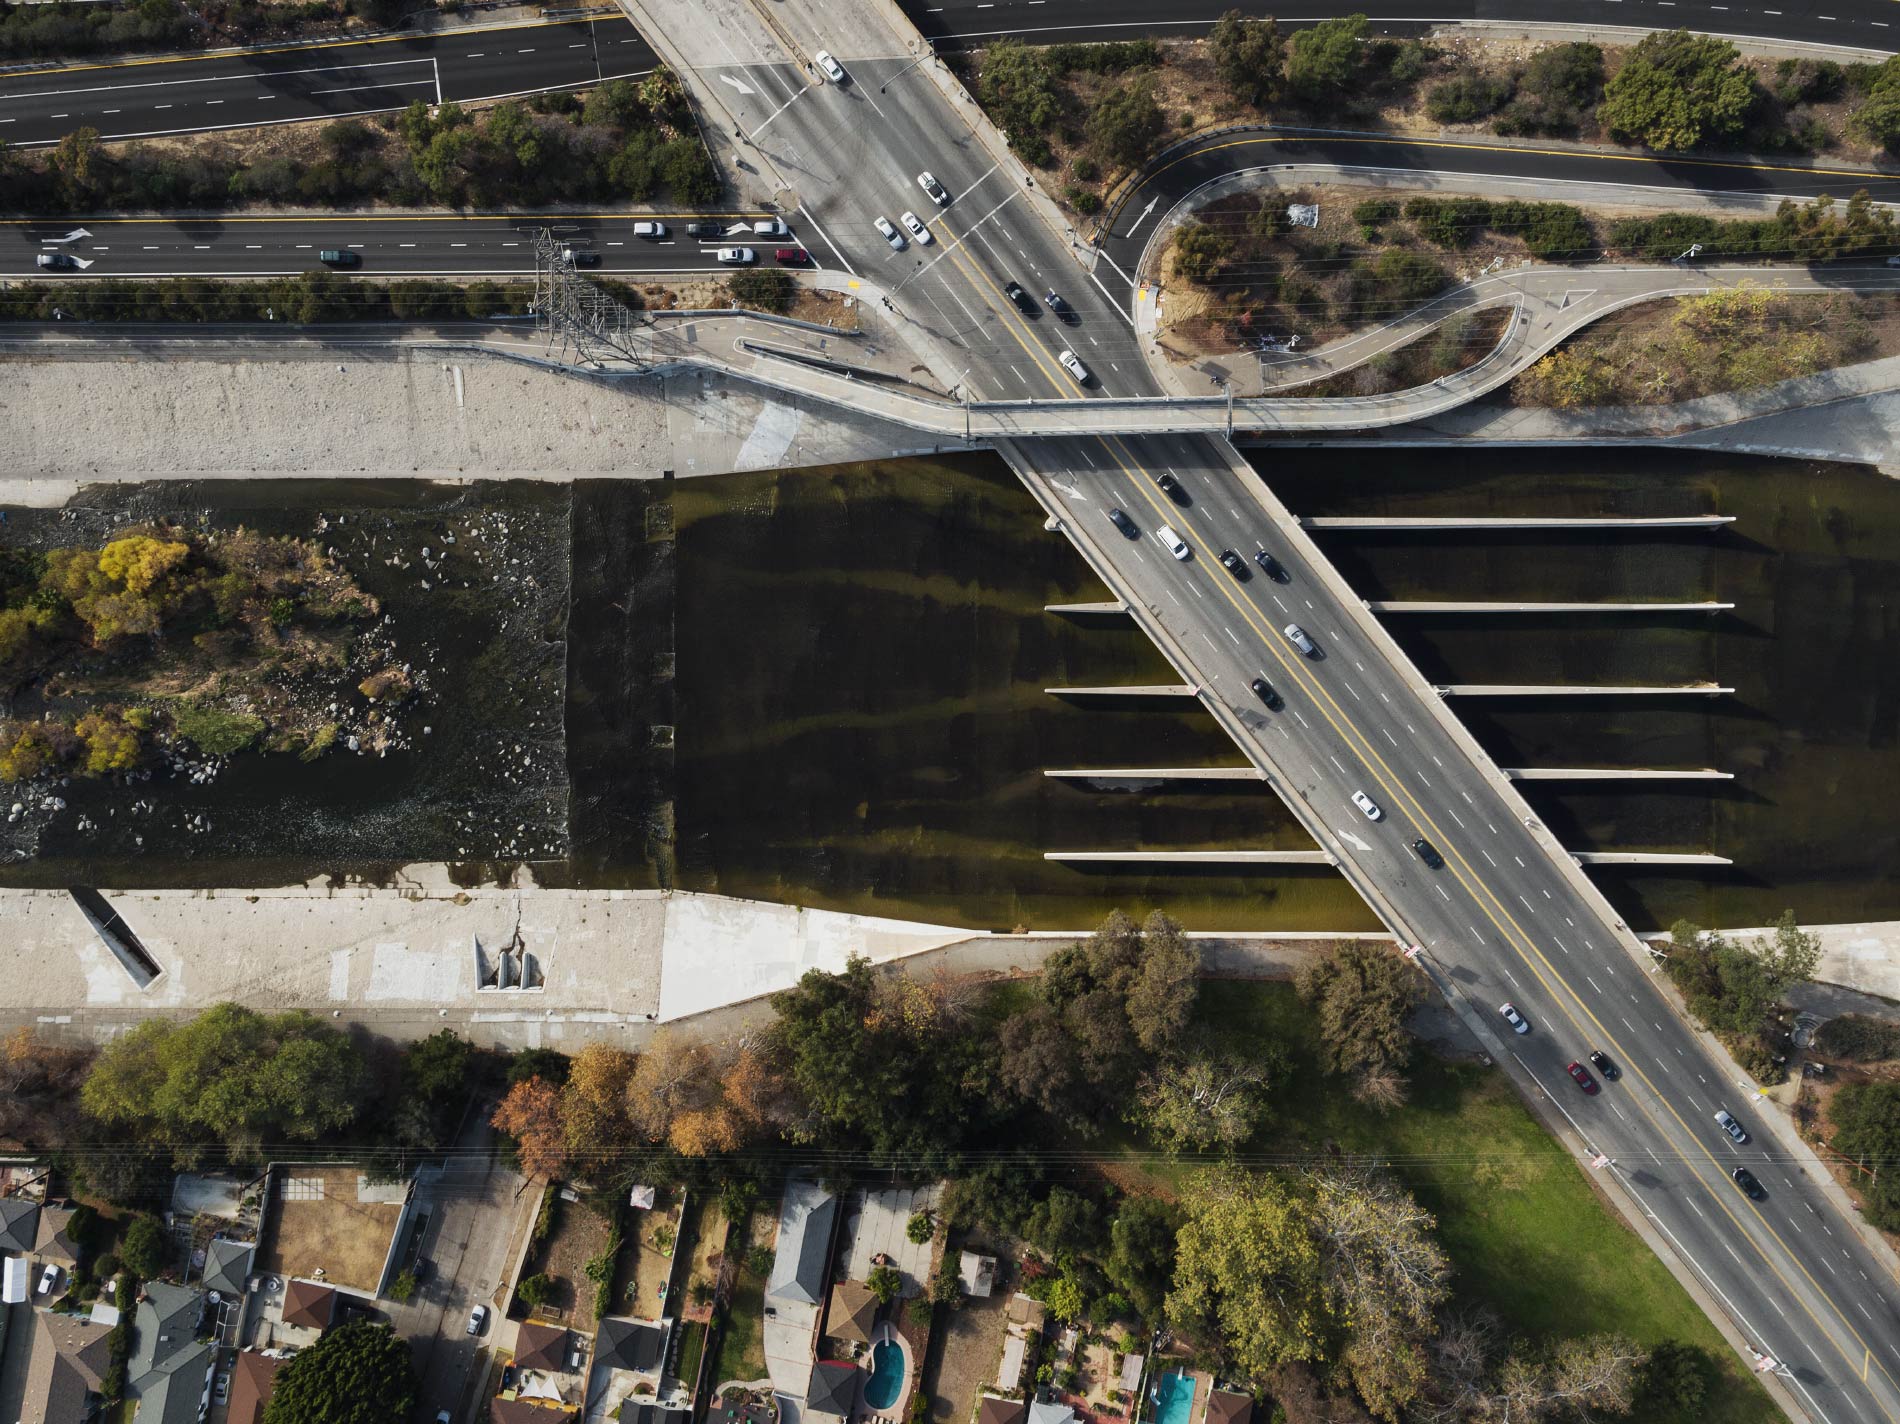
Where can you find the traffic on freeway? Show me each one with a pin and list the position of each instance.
(1856, 24)
(245, 89)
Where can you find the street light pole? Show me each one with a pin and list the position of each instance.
(930, 52)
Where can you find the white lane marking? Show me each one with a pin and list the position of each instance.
(1519, 860)
(1459, 819)
(1487, 855)
(1335, 761)
(1594, 985)
(1230, 633)
(1441, 890)
(1389, 737)
(1525, 903)
(1303, 721)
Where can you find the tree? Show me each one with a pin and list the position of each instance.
(435, 1070)
(769, 289)
(1360, 993)
(1247, 1268)
(1322, 60)
(1866, 1118)
(1018, 89)
(531, 1114)
(885, 1283)
(1464, 97)
(1204, 1099)
(1126, 121)
(1160, 997)
(1677, 91)
(1140, 1259)
(1063, 1296)
(358, 1373)
(1676, 1377)
(39, 1084)
(1733, 986)
(1200, 251)
(1559, 86)
(144, 1252)
(594, 1102)
(615, 104)
(1249, 57)
(1877, 117)
(72, 165)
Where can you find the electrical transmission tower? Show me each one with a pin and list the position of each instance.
(585, 324)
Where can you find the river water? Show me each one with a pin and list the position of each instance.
(826, 687)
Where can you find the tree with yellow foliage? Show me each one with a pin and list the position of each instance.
(110, 745)
(594, 1100)
(123, 590)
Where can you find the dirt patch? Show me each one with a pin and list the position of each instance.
(320, 1229)
(580, 1234)
(653, 1240)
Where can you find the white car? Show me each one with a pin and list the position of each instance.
(1296, 635)
(652, 231)
(1172, 542)
(1722, 1120)
(891, 234)
(1072, 363)
(477, 1318)
(917, 228)
(1512, 1017)
(738, 256)
(928, 182)
(1368, 806)
(834, 71)
(770, 227)
(48, 1278)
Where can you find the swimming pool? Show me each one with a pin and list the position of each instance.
(886, 1380)
(1174, 1397)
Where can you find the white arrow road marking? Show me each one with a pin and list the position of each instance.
(738, 84)
(74, 236)
(1352, 840)
(1144, 215)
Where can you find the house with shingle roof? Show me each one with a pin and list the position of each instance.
(541, 1347)
(67, 1360)
(19, 1224)
(833, 1390)
(309, 1304)
(51, 1241)
(853, 1312)
(169, 1373)
(228, 1267)
(253, 1378)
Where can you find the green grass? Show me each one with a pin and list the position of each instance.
(742, 1342)
(1527, 1234)
(692, 1346)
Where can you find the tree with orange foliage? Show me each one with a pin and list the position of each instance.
(594, 1102)
(531, 1114)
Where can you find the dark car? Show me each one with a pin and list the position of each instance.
(706, 231)
(61, 260)
(1270, 566)
(1234, 564)
(1745, 1179)
(1172, 488)
(339, 257)
(1583, 1079)
(507, 1377)
(1264, 691)
(1428, 853)
(1604, 1066)
(792, 257)
(1061, 308)
(580, 257)
(1124, 523)
(1014, 291)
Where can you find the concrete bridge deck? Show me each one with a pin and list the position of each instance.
(1083, 610)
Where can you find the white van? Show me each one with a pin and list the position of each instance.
(1072, 363)
(1172, 542)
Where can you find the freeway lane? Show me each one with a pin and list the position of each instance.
(326, 81)
(958, 24)
(432, 245)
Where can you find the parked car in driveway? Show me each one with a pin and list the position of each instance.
(1580, 1075)
(1517, 1021)
(1369, 808)
(1729, 1125)
(48, 1279)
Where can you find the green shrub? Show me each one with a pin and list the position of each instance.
(1087, 170)
(1467, 97)
(535, 1291)
(403, 1288)
(767, 289)
(1448, 222)
(1859, 1039)
(1375, 212)
(1083, 201)
(919, 1228)
(1809, 81)
(213, 730)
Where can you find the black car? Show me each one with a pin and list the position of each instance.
(1234, 564)
(1745, 1179)
(706, 231)
(1172, 488)
(60, 260)
(1061, 308)
(1604, 1066)
(1264, 691)
(1270, 566)
(1428, 853)
(1124, 523)
(1014, 291)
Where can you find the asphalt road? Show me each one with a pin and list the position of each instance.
(1858, 24)
(144, 98)
(1499, 921)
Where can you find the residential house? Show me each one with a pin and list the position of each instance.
(52, 1244)
(309, 1304)
(832, 1392)
(169, 1373)
(1225, 1406)
(1023, 1316)
(795, 1289)
(67, 1360)
(1050, 1411)
(541, 1347)
(995, 1409)
(253, 1377)
(228, 1267)
(853, 1312)
(527, 1411)
(19, 1225)
(638, 1346)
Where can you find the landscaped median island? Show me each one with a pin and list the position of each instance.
(1087, 115)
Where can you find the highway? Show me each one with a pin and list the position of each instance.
(959, 24)
(1505, 918)
(146, 98)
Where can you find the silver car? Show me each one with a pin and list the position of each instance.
(1729, 1125)
(891, 234)
(834, 71)
(1296, 635)
(738, 256)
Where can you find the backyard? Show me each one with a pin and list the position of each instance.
(741, 1354)
(321, 1228)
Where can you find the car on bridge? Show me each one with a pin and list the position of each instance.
(1264, 691)
(1368, 808)
(1580, 1075)
(1234, 564)
(1270, 566)
(1296, 635)
(1122, 522)
(1171, 487)
(1172, 542)
(1517, 1021)
(1428, 853)
(1072, 363)
(834, 71)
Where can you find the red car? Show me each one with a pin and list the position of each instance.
(793, 256)
(1584, 1080)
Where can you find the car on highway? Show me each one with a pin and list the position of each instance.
(442, 1416)
(1580, 1075)
(1061, 308)
(706, 231)
(770, 227)
(834, 71)
(651, 231)
(891, 234)
(1369, 808)
(1026, 303)
(1604, 1066)
(1428, 853)
(738, 256)
(1171, 487)
(57, 260)
(1296, 635)
(1234, 564)
(580, 257)
(915, 226)
(792, 257)
(1745, 1179)
(938, 195)
(1729, 1125)
(48, 1279)
(1172, 542)
(477, 1318)
(1517, 1021)
(340, 257)
(1072, 363)
(1264, 691)
(1270, 566)
(1122, 522)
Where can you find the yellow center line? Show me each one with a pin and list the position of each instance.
(953, 252)
(1516, 939)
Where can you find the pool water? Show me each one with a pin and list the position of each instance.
(1174, 1398)
(887, 1376)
